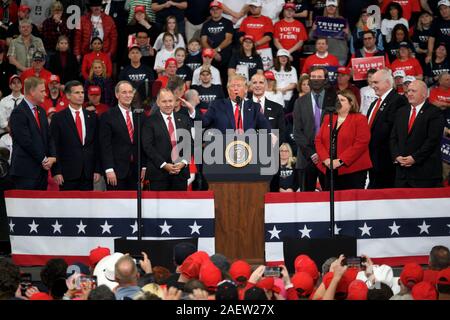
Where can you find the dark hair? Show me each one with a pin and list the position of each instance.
(383, 292)
(402, 27)
(101, 293)
(439, 258)
(96, 38)
(168, 34)
(315, 68)
(52, 271)
(396, 6)
(175, 31)
(175, 83)
(370, 32)
(371, 71)
(193, 284)
(161, 274)
(277, 65)
(69, 85)
(443, 288)
(242, 52)
(9, 279)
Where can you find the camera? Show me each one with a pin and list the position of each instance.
(272, 272)
(354, 262)
(25, 283)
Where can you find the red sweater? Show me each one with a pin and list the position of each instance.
(257, 27)
(89, 59)
(352, 143)
(83, 35)
(314, 60)
(411, 67)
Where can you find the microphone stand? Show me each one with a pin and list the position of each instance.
(238, 102)
(332, 146)
(138, 112)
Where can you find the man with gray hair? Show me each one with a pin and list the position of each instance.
(381, 115)
(23, 47)
(415, 141)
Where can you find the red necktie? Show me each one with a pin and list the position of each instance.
(79, 126)
(130, 126)
(237, 118)
(36, 116)
(411, 120)
(173, 139)
(374, 113)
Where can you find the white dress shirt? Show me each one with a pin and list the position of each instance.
(262, 102)
(382, 99)
(166, 121)
(6, 107)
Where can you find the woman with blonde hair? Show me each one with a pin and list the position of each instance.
(350, 138)
(286, 179)
(98, 77)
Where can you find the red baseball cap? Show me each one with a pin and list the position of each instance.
(424, 291)
(344, 70)
(303, 281)
(443, 277)
(14, 76)
(357, 290)
(304, 263)
(269, 75)
(343, 284)
(289, 5)
(268, 284)
(191, 265)
(249, 37)
(210, 275)
(412, 274)
(54, 77)
(98, 254)
(170, 60)
(24, 7)
(208, 52)
(240, 268)
(139, 9)
(216, 4)
(94, 91)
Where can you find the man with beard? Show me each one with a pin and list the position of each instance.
(309, 111)
(56, 100)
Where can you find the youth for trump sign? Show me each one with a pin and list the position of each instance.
(360, 66)
(330, 27)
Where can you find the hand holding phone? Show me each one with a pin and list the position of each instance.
(272, 272)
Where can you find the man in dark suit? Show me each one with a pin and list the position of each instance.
(118, 141)
(161, 135)
(272, 111)
(33, 148)
(381, 115)
(415, 141)
(74, 131)
(224, 114)
(309, 111)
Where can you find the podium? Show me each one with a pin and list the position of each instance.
(239, 192)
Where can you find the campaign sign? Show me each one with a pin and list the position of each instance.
(330, 27)
(360, 66)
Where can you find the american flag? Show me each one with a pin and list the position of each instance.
(45, 225)
(393, 226)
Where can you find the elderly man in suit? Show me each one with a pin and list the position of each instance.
(309, 111)
(33, 147)
(118, 141)
(415, 141)
(234, 113)
(381, 115)
(75, 133)
(166, 137)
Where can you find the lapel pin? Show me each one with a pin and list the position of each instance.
(269, 108)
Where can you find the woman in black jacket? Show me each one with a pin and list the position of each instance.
(63, 62)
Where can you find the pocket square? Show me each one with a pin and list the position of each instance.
(271, 118)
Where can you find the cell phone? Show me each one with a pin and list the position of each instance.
(25, 283)
(354, 262)
(88, 279)
(272, 272)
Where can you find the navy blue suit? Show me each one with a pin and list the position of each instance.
(30, 146)
(220, 115)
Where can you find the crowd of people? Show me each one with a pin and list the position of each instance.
(122, 53)
(198, 276)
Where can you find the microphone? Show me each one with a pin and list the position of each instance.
(239, 101)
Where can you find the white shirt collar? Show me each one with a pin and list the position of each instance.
(418, 107)
(386, 94)
(74, 110)
(322, 56)
(165, 116)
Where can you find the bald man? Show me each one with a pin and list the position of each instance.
(415, 141)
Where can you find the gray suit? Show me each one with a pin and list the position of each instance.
(304, 135)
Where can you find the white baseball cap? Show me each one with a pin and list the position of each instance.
(331, 3)
(256, 3)
(399, 73)
(443, 2)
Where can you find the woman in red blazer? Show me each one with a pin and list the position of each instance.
(351, 136)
